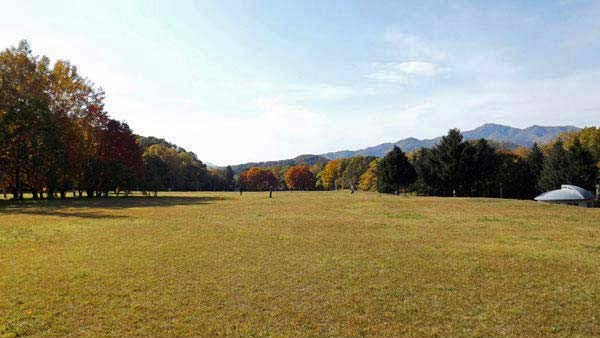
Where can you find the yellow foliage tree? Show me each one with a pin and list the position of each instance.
(330, 174)
(368, 180)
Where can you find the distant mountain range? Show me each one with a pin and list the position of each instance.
(506, 136)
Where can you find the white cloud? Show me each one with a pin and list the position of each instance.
(408, 45)
(403, 72)
(320, 92)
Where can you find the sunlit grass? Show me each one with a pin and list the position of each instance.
(299, 264)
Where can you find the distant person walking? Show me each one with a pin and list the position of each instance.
(351, 189)
(241, 189)
(270, 192)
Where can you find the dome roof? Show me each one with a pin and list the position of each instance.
(566, 193)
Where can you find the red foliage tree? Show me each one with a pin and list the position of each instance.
(119, 143)
(120, 158)
(299, 177)
(258, 179)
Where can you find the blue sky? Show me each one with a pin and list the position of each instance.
(238, 81)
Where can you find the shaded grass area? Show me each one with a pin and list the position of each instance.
(300, 264)
(97, 207)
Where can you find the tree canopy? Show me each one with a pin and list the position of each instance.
(395, 172)
(300, 177)
(258, 179)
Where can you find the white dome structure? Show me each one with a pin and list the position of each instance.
(568, 194)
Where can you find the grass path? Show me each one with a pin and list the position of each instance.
(300, 264)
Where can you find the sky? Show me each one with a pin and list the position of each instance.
(240, 81)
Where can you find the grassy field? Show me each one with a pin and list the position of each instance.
(300, 264)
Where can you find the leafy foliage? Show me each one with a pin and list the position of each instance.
(395, 172)
(56, 135)
(258, 179)
(300, 177)
(368, 180)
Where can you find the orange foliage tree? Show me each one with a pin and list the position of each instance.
(330, 174)
(299, 177)
(258, 179)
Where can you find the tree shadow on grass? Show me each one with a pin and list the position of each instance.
(57, 207)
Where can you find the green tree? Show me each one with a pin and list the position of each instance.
(422, 163)
(395, 172)
(480, 161)
(356, 166)
(157, 173)
(555, 170)
(583, 168)
(514, 177)
(447, 167)
(575, 165)
(229, 178)
(535, 162)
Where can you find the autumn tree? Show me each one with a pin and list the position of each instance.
(24, 111)
(77, 109)
(120, 159)
(368, 180)
(329, 175)
(258, 179)
(355, 167)
(300, 177)
(46, 114)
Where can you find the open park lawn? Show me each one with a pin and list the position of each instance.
(316, 264)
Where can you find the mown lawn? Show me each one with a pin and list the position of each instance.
(299, 265)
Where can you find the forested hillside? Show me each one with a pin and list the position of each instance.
(305, 159)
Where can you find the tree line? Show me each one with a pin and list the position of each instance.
(56, 137)
(453, 167)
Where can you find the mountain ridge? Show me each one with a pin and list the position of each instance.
(490, 131)
(507, 136)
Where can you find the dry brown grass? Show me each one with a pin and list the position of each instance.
(300, 264)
